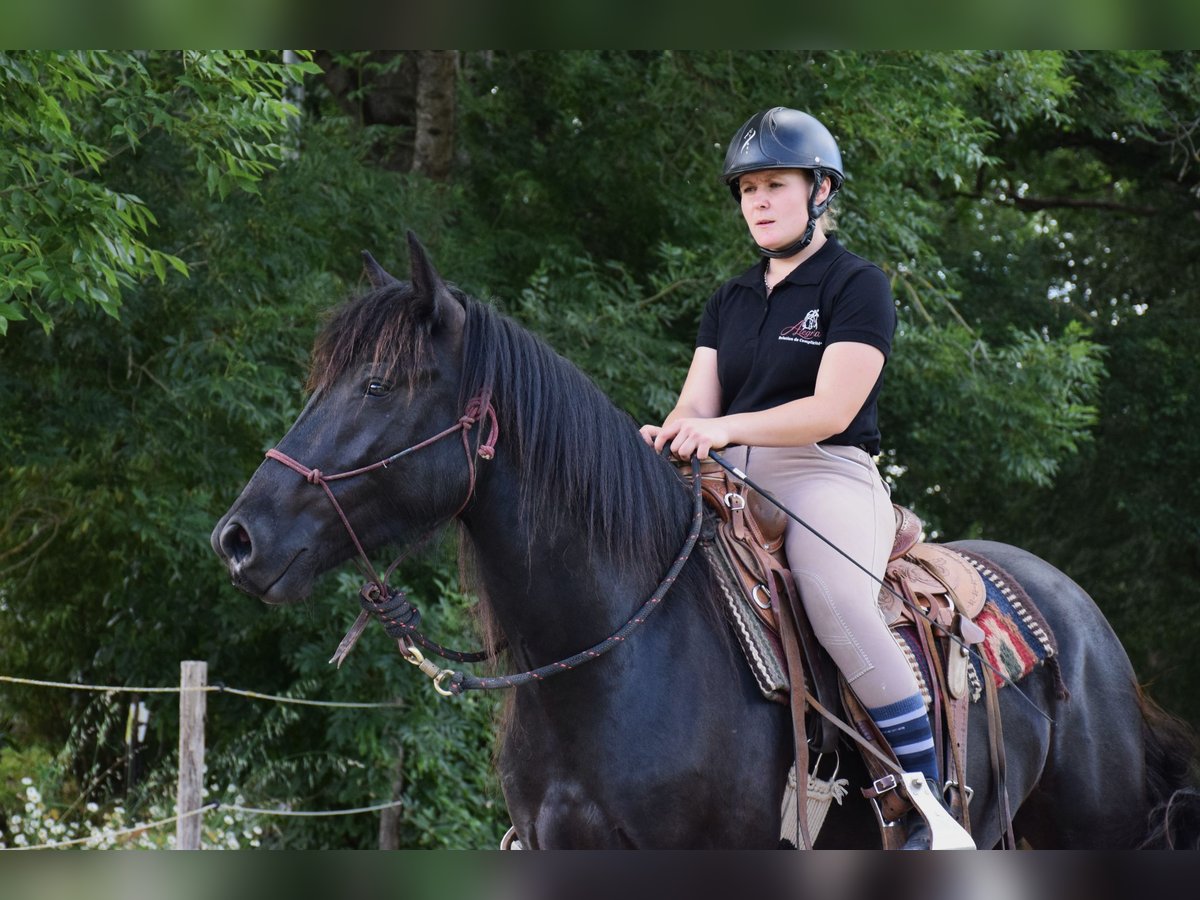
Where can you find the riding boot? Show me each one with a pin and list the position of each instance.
(919, 836)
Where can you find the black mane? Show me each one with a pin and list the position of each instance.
(372, 328)
(579, 458)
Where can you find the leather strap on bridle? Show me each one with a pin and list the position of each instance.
(400, 618)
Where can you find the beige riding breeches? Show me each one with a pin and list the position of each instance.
(839, 492)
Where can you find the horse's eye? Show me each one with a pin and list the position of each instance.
(377, 388)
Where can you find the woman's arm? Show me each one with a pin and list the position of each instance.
(700, 397)
(847, 374)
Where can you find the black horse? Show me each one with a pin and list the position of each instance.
(665, 742)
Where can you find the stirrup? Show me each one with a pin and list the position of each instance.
(945, 833)
(510, 841)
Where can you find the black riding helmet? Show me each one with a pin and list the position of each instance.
(783, 138)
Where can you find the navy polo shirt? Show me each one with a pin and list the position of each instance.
(769, 348)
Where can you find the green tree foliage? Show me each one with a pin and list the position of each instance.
(1035, 212)
(125, 438)
(72, 232)
(1096, 223)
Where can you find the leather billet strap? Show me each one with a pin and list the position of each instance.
(788, 631)
(999, 765)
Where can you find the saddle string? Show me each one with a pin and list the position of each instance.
(745, 479)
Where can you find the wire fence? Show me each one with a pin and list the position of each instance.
(206, 689)
(209, 807)
(212, 806)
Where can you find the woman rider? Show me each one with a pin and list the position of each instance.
(788, 365)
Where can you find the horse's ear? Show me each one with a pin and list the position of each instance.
(432, 299)
(376, 274)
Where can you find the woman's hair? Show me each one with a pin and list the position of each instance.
(829, 219)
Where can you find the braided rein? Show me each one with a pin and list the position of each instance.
(449, 682)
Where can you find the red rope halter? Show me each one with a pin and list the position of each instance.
(476, 410)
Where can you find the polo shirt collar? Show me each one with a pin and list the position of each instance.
(809, 272)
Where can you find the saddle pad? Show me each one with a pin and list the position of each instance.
(1017, 638)
(762, 649)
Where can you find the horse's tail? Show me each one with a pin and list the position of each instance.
(1172, 750)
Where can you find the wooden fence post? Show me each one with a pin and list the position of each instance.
(193, 678)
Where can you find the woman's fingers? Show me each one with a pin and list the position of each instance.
(697, 437)
(686, 437)
(649, 433)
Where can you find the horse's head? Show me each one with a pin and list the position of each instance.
(385, 377)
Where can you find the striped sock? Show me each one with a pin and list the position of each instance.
(906, 727)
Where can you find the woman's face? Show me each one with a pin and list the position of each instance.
(775, 205)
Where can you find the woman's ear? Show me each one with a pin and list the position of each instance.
(825, 192)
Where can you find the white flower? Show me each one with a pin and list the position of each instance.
(93, 807)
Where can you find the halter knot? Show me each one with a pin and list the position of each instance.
(477, 408)
(398, 617)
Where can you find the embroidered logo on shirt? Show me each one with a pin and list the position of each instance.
(806, 331)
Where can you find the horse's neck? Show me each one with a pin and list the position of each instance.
(552, 590)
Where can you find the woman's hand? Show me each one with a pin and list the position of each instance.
(649, 433)
(688, 436)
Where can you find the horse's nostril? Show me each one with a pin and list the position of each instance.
(235, 541)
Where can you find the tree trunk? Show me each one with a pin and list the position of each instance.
(433, 149)
(377, 88)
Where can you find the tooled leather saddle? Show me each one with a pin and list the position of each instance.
(743, 542)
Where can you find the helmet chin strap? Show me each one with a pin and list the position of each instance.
(815, 211)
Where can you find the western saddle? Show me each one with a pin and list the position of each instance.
(927, 587)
